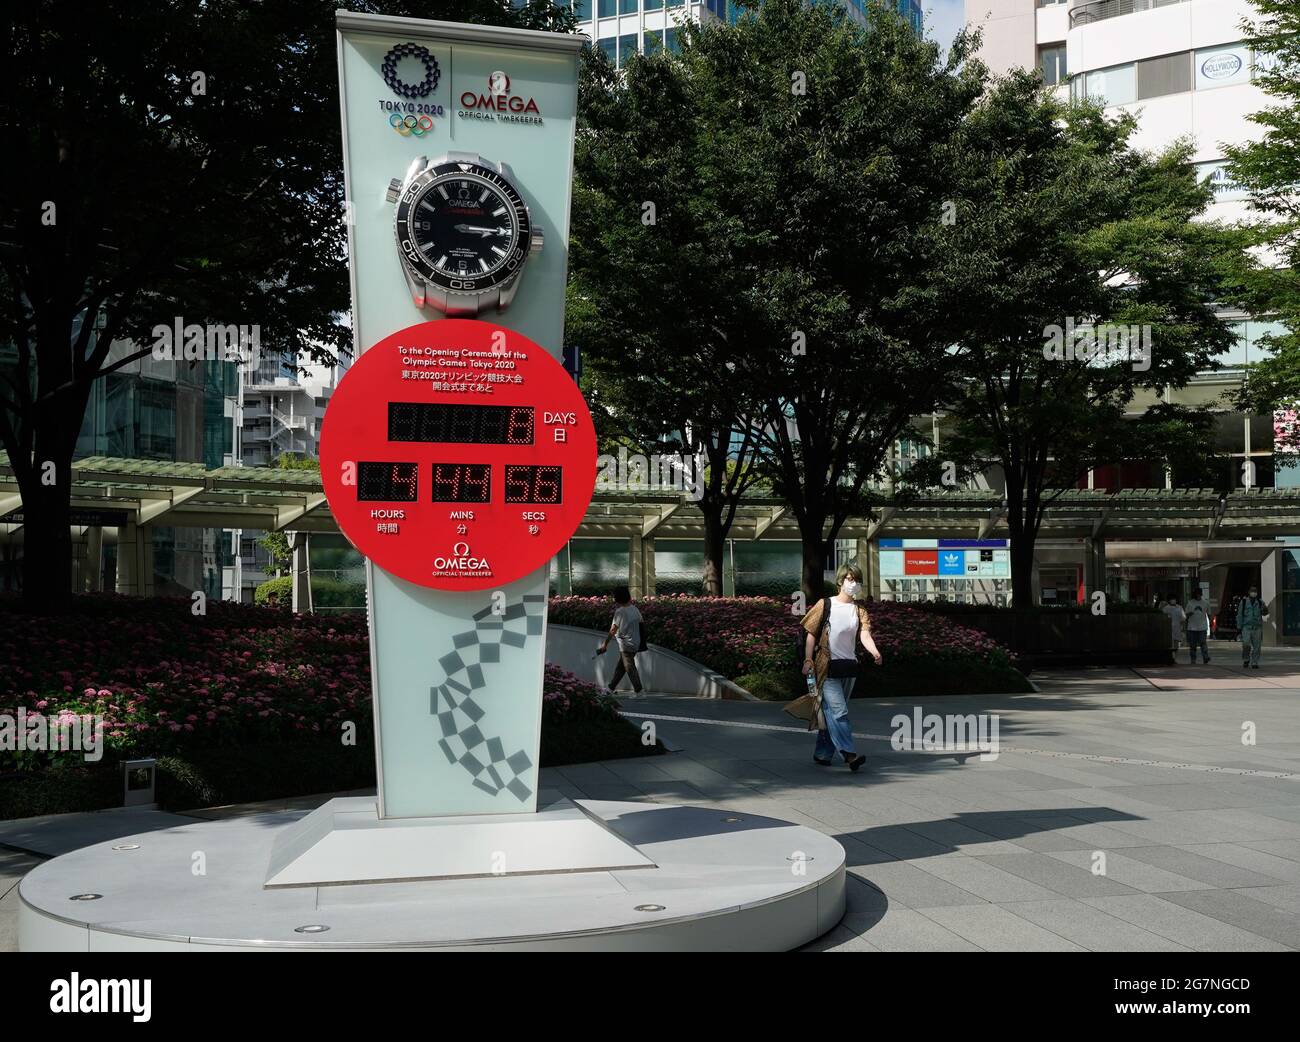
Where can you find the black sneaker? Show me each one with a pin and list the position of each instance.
(857, 762)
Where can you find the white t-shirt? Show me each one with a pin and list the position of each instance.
(628, 620)
(844, 627)
(1198, 614)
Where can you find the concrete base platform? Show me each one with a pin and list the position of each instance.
(345, 841)
(714, 881)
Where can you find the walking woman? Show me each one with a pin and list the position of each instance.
(834, 627)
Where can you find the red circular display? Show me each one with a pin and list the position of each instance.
(458, 454)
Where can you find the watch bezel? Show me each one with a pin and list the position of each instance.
(422, 266)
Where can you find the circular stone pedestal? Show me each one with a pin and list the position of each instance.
(721, 881)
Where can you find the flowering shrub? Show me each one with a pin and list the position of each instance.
(164, 679)
(566, 698)
(167, 681)
(748, 635)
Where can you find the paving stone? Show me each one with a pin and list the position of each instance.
(1216, 872)
(1188, 927)
(997, 929)
(1092, 929)
(907, 930)
(1056, 875)
(1137, 875)
(1260, 861)
(1237, 908)
(984, 880)
(905, 884)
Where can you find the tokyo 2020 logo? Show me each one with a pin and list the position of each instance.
(399, 86)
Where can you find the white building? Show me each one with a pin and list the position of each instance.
(1180, 64)
(282, 413)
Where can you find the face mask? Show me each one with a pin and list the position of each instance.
(851, 588)
(1254, 594)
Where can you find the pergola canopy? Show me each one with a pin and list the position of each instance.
(111, 491)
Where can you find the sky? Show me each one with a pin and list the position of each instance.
(943, 18)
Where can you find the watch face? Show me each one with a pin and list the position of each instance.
(463, 227)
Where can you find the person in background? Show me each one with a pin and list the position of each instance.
(626, 629)
(1251, 612)
(1176, 620)
(1198, 628)
(835, 626)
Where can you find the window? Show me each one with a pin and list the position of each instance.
(607, 46)
(673, 3)
(1051, 60)
(627, 6)
(1157, 77)
(1225, 189)
(582, 10)
(653, 41)
(626, 48)
(1222, 66)
(670, 41)
(1117, 86)
(653, 5)
(606, 8)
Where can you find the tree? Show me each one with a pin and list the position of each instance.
(176, 159)
(1270, 169)
(849, 134)
(661, 291)
(1086, 280)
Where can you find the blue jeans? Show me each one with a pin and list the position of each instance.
(1196, 639)
(836, 692)
(1251, 638)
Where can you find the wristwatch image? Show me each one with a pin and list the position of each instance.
(464, 233)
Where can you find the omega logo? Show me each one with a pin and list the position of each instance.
(498, 98)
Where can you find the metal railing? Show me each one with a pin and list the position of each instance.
(1100, 10)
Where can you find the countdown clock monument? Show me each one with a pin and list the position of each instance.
(458, 457)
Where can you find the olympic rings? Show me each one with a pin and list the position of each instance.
(411, 126)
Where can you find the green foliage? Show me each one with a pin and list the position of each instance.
(1061, 223)
(277, 545)
(164, 159)
(774, 686)
(281, 587)
(1270, 168)
(796, 164)
(327, 592)
(296, 461)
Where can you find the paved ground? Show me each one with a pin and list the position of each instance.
(1199, 833)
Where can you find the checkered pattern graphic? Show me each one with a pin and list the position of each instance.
(459, 714)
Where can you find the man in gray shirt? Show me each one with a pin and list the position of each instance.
(626, 629)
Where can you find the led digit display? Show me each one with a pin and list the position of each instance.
(456, 424)
(462, 483)
(529, 484)
(480, 455)
(379, 482)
